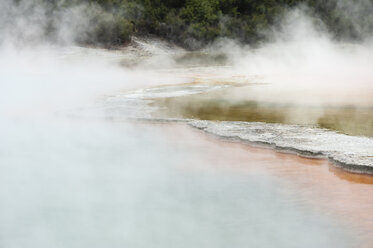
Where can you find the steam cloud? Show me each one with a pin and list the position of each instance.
(303, 64)
(80, 183)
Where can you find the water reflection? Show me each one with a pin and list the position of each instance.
(241, 104)
(351, 177)
(315, 183)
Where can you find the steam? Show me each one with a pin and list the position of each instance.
(30, 23)
(91, 183)
(303, 64)
(58, 173)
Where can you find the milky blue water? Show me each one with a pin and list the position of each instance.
(70, 183)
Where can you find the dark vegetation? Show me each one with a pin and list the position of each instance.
(193, 23)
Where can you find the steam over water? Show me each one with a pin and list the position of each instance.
(71, 183)
(72, 177)
(88, 157)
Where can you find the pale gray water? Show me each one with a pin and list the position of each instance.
(66, 183)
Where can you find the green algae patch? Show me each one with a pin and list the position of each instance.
(216, 106)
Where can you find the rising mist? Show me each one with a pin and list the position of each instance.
(71, 177)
